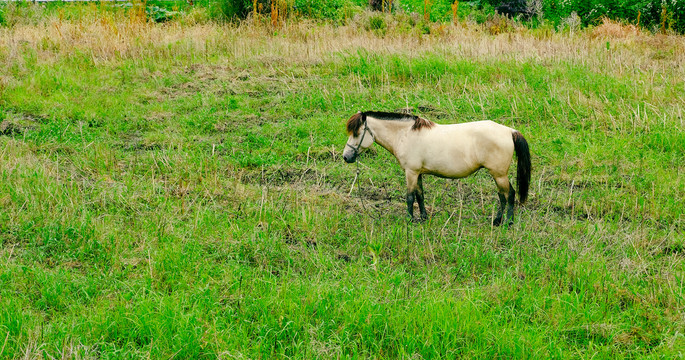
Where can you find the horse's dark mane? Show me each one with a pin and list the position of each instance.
(355, 122)
(421, 123)
(380, 115)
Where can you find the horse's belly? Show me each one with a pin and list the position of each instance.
(451, 169)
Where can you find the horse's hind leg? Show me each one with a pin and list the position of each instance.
(502, 203)
(506, 199)
(510, 206)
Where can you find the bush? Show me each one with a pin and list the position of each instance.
(651, 14)
(316, 9)
(160, 14)
(383, 5)
(498, 24)
(514, 8)
(228, 9)
(377, 24)
(438, 10)
(654, 15)
(20, 12)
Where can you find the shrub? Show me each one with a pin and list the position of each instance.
(330, 9)
(315, 9)
(160, 14)
(571, 24)
(515, 8)
(12, 13)
(498, 24)
(377, 24)
(650, 13)
(229, 9)
(383, 5)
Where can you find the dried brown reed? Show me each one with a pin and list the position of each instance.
(426, 10)
(455, 8)
(613, 29)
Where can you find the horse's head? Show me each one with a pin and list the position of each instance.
(360, 137)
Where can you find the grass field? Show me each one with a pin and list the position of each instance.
(177, 191)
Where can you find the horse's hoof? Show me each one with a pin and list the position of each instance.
(499, 222)
(418, 220)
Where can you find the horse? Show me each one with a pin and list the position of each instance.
(448, 151)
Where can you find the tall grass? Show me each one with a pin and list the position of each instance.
(176, 190)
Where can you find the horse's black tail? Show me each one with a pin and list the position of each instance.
(523, 168)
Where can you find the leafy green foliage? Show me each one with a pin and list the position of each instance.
(230, 9)
(3, 9)
(377, 24)
(650, 13)
(333, 9)
(160, 14)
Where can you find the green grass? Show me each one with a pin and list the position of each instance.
(185, 197)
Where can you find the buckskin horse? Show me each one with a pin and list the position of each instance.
(449, 151)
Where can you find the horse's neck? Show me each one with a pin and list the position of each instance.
(388, 133)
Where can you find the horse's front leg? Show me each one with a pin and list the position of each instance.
(419, 198)
(412, 186)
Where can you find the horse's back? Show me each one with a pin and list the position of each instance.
(466, 147)
(487, 126)
(483, 133)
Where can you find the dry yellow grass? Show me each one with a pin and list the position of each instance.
(613, 29)
(108, 37)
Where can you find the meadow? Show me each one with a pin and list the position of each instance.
(177, 190)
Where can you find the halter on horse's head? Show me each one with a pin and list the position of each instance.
(353, 126)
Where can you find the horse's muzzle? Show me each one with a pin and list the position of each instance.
(350, 158)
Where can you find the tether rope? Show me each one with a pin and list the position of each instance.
(359, 194)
